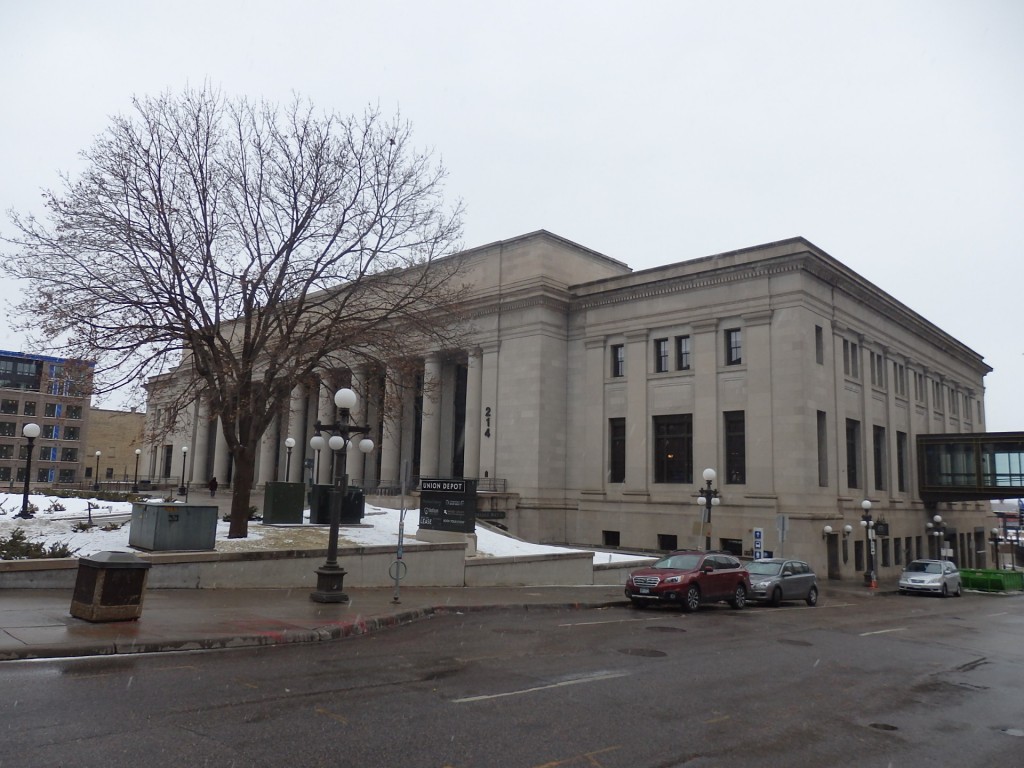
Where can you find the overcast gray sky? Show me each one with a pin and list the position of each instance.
(888, 132)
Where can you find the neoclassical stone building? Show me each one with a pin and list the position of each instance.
(592, 397)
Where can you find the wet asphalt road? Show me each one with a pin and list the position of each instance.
(859, 681)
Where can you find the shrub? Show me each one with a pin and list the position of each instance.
(18, 547)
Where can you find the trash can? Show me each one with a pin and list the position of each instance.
(110, 587)
(283, 503)
(320, 504)
(353, 505)
(158, 526)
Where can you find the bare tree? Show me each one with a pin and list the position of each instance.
(245, 245)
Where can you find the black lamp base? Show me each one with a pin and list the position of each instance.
(329, 584)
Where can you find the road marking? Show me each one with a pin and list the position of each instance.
(588, 758)
(615, 621)
(1002, 613)
(884, 631)
(721, 719)
(575, 681)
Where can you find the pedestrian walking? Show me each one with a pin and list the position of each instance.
(213, 486)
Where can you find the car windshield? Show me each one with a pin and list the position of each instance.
(764, 569)
(678, 562)
(919, 567)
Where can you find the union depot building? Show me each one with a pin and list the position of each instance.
(592, 398)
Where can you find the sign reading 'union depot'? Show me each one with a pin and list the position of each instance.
(448, 505)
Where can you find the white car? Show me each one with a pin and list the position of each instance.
(936, 577)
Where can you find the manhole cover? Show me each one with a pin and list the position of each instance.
(665, 629)
(648, 652)
(883, 727)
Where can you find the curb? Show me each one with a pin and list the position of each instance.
(326, 633)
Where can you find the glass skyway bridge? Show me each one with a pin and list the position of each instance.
(966, 467)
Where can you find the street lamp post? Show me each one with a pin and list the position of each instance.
(995, 548)
(96, 479)
(135, 486)
(289, 443)
(937, 530)
(31, 432)
(708, 498)
(869, 540)
(330, 576)
(183, 489)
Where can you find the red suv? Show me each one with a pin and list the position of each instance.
(688, 578)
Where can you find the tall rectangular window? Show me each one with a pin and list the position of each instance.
(660, 355)
(878, 447)
(30, 408)
(735, 447)
(852, 453)
(822, 449)
(901, 461)
(819, 345)
(616, 450)
(618, 360)
(673, 448)
(877, 370)
(733, 346)
(851, 359)
(682, 353)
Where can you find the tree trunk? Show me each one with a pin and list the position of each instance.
(241, 491)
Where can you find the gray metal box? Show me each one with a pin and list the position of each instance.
(158, 526)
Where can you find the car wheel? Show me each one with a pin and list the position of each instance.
(740, 598)
(945, 591)
(812, 597)
(691, 602)
(776, 598)
(959, 591)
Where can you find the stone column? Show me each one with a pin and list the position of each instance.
(354, 463)
(221, 456)
(430, 431)
(326, 413)
(391, 438)
(489, 409)
(201, 448)
(292, 426)
(593, 449)
(637, 427)
(267, 453)
(474, 395)
(706, 417)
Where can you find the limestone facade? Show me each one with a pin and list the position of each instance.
(592, 397)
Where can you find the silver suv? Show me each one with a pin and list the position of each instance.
(775, 579)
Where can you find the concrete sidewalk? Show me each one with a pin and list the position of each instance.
(36, 623)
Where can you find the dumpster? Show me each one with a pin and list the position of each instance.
(283, 503)
(158, 526)
(110, 587)
(353, 505)
(992, 580)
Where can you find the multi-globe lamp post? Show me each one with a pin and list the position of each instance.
(30, 432)
(708, 498)
(330, 576)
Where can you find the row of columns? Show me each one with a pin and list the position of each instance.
(392, 429)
